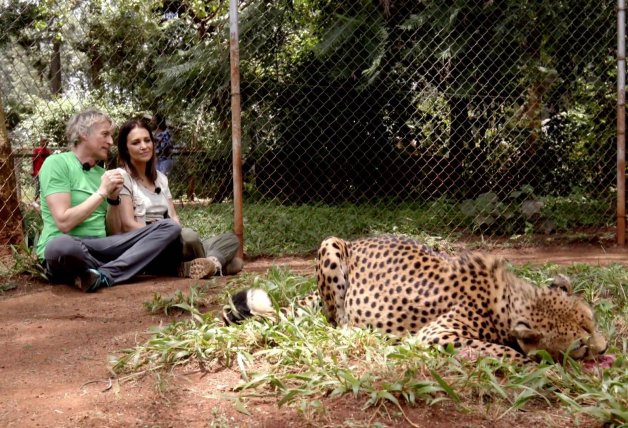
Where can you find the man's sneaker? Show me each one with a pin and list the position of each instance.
(91, 280)
(197, 268)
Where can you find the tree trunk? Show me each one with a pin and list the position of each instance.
(11, 231)
(55, 67)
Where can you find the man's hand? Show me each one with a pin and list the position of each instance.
(111, 183)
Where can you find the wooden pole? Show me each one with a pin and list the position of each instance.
(236, 125)
(621, 122)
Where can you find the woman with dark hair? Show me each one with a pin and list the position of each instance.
(147, 188)
(146, 198)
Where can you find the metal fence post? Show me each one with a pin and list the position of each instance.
(621, 122)
(236, 125)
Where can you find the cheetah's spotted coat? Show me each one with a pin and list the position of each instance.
(401, 287)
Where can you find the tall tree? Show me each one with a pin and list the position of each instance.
(55, 67)
(11, 231)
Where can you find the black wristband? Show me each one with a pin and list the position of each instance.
(113, 201)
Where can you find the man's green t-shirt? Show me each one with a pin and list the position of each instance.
(63, 173)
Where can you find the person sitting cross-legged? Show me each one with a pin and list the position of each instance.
(75, 192)
(146, 199)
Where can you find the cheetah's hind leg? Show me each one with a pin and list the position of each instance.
(332, 279)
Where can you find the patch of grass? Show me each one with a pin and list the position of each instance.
(274, 230)
(304, 358)
(577, 209)
(25, 261)
(32, 224)
(196, 297)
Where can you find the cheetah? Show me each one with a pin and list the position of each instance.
(472, 301)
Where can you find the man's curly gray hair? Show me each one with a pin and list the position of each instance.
(81, 124)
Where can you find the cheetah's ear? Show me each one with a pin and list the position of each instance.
(562, 282)
(527, 338)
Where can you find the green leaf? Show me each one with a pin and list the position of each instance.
(448, 389)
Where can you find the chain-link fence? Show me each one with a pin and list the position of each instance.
(492, 117)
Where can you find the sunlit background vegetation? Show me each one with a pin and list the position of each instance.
(490, 118)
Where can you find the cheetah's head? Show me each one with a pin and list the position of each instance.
(559, 322)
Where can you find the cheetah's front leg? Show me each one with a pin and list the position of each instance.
(435, 333)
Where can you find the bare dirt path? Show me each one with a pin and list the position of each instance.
(56, 342)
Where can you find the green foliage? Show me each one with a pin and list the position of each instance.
(23, 255)
(272, 229)
(275, 230)
(524, 212)
(487, 212)
(49, 117)
(283, 286)
(196, 297)
(438, 112)
(32, 225)
(305, 357)
(15, 17)
(577, 210)
(26, 262)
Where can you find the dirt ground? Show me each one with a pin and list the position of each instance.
(56, 342)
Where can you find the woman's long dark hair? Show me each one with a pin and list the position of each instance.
(123, 149)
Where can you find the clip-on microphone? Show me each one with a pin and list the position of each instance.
(158, 190)
(86, 166)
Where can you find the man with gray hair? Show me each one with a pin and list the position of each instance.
(75, 192)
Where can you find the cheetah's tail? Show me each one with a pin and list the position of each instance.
(247, 303)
